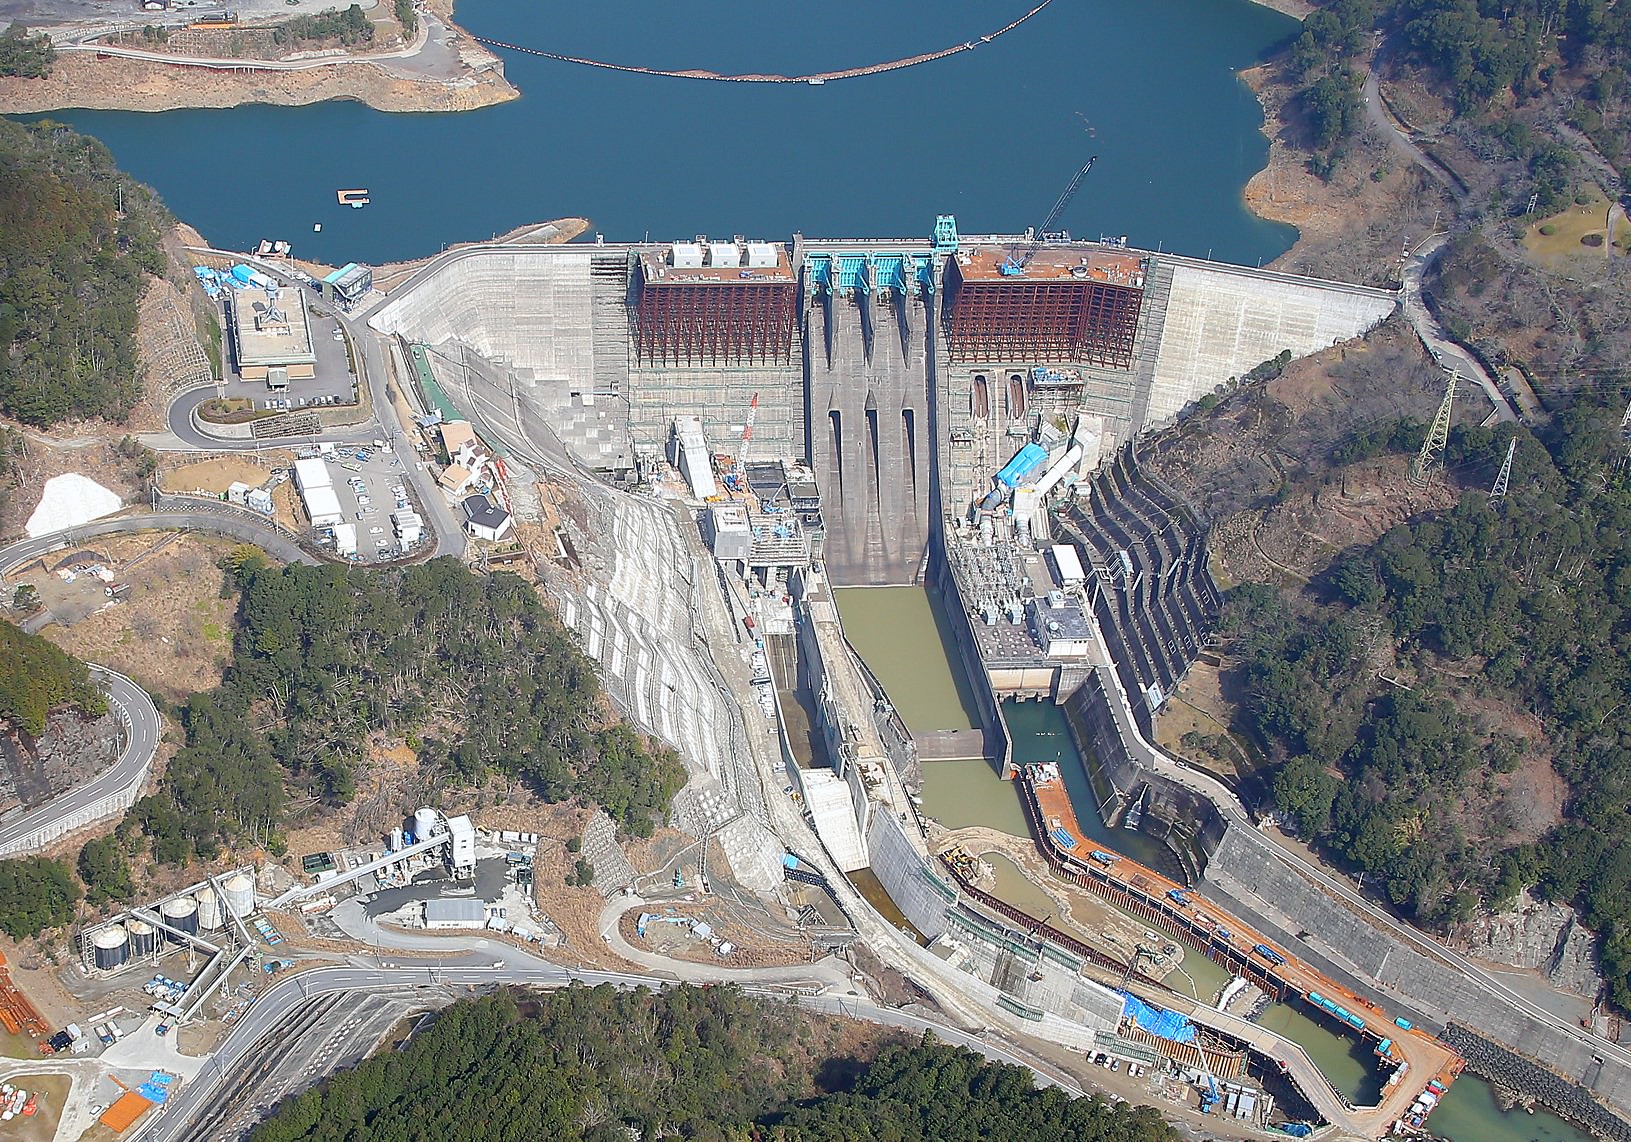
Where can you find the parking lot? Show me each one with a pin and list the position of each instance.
(370, 485)
(334, 382)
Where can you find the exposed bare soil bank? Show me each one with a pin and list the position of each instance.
(80, 80)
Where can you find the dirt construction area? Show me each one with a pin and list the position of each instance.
(213, 477)
(172, 632)
(51, 1095)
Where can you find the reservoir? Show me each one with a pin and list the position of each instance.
(991, 135)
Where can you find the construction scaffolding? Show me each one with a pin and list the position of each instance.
(711, 316)
(1085, 312)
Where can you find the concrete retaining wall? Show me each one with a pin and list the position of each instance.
(1185, 819)
(1223, 321)
(111, 805)
(899, 867)
(1276, 899)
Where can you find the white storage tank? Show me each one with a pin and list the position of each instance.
(424, 823)
(209, 910)
(111, 947)
(182, 914)
(239, 891)
(142, 940)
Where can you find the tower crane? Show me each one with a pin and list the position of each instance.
(747, 435)
(1014, 265)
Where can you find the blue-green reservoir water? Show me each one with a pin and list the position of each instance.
(991, 135)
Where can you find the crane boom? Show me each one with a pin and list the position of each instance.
(1014, 266)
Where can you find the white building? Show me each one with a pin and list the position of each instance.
(409, 526)
(456, 913)
(345, 539)
(486, 520)
(258, 500)
(312, 473)
(462, 856)
(322, 506)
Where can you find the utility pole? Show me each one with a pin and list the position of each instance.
(1432, 449)
(1498, 492)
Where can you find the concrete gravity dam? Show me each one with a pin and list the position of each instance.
(890, 378)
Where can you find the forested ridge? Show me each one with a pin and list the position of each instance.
(603, 1065)
(1526, 601)
(36, 678)
(473, 668)
(72, 270)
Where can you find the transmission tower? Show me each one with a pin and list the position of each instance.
(1498, 492)
(1432, 449)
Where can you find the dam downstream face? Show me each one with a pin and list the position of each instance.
(992, 134)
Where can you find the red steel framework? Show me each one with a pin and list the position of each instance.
(715, 323)
(1081, 322)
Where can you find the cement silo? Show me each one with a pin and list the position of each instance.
(111, 947)
(424, 823)
(180, 914)
(240, 894)
(209, 910)
(142, 939)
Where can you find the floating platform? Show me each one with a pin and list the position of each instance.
(356, 198)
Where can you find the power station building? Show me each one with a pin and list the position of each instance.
(271, 339)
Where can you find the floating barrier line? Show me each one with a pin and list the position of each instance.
(819, 77)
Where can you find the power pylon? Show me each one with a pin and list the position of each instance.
(1498, 492)
(1432, 449)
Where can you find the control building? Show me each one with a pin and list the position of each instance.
(269, 332)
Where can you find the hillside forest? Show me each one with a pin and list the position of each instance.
(1378, 689)
(326, 657)
(603, 1065)
(72, 269)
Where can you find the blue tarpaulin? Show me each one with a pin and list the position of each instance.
(1166, 1024)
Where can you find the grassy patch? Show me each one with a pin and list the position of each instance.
(1563, 235)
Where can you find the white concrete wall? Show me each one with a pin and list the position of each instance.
(530, 309)
(900, 869)
(1222, 322)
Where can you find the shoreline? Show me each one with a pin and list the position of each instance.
(1296, 9)
(386, 81)
(1284, 190)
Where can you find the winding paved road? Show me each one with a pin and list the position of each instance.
(100, 797)
(233, 524)
(274, 1006)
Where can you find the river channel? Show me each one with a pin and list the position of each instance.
(902, 642)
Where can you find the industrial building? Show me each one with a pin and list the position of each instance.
(269, 331)
(349, 284)
(317, 494)
(456, 913)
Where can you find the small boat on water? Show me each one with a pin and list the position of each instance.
(356, 199)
